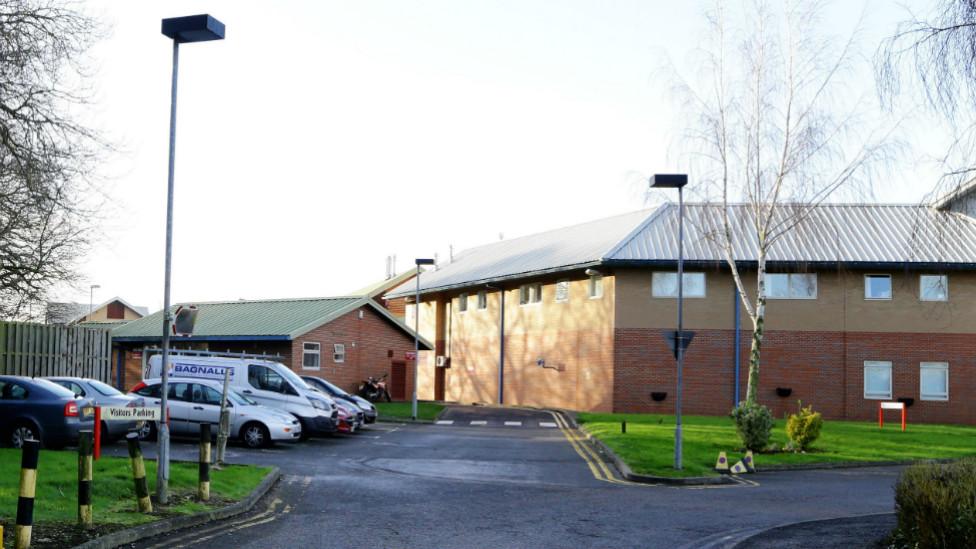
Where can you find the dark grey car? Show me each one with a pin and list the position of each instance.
(102, 394)
(38, 409)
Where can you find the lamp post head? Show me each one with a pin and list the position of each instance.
(193, 28)
(669, 180)
(420, 262)
(94, 287)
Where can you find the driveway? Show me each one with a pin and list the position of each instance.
(511, 481)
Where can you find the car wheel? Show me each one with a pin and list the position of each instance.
(23, 431)
(255, 435)
(106, 435)
(306, 433)
(148, 431)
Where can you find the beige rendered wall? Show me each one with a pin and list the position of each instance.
(574, 338)
(101, 315)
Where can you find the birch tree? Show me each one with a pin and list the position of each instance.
(776, 130)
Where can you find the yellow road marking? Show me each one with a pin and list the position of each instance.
(269, 511)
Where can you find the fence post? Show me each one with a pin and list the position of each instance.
(204, 489)
(85, 475)
(25, 503)
(139, 473)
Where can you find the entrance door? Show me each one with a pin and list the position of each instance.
(398, 380)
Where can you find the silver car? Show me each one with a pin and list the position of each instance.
(195, 401)
(103, 395)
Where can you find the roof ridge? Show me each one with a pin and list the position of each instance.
(269, 300)
(639, 228)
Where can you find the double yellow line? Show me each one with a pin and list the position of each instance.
(593, 461)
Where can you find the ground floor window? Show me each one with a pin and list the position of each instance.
(934, 381)
(877, 379)
(311, 359)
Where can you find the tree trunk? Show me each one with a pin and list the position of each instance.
(754, 353)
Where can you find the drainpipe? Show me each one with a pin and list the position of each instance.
(501, 343)
(738, 327)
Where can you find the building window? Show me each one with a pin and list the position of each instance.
(877, 380)
(666, 284)
(562, 291)
(791, 286)
(596, 286)
(530, 293)
(482, 300)
(877, 286)
(310, 356)
(463, 302)
(934, 381)
(339, 352)
(933, 287)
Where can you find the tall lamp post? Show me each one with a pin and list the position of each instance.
(182, 30)
(416, 336)
(91, 299)
(681, 339)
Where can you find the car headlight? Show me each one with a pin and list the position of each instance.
(320, 404)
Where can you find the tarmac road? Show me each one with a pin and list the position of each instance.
(498, 485)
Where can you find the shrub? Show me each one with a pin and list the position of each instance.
(936, 506)
(753, 424)
(803, 427)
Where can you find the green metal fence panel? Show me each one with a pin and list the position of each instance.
(41, 350)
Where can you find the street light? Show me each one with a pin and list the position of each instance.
(182, 30)
(91, 298)
(416, 336)
(677, 181)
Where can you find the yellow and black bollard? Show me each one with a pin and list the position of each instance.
(139, 473)
(204, 489)
(85, 451)
(25, 503)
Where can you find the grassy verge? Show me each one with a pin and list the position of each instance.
(55, 503)
(648, 446)
(402, 410)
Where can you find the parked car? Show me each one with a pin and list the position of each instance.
(38, 409)
(267, 382)
(350, 417)
(102, 394)
(369, 411)
(195, 401)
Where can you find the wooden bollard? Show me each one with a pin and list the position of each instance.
(204, 485)
(25, 503)
(139, 473)
(85, 456)
(623, 427)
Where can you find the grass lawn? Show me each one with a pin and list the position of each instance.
(113, 493)
(402, 410)
(648, 446)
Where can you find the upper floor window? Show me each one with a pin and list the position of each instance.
(791, 286)
(463, 302)
(877, 286)
(933, 287)
(339, 352)
(311, 359)
(562, 291)
(666, 284)
(934, 381)
(596, 286)
(482, 299)
(530, 293)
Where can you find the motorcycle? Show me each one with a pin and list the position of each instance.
(374, 389)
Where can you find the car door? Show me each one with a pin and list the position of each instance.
(206, 407)
(180, 405)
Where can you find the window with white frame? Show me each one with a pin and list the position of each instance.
(791, 286)
(562, 291)
(482, 300)
(666, 284)
(934, 381)
(933, 287)
(596, 286)
(877, 286)
(877, 379)
(311, 359)
(530, 293)
(463, 302)
(339, 352)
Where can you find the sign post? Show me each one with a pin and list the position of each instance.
(891, 406)
(120, 413)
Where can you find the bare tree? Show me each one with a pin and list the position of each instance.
(931, 60)
(46, 154)
(773, 134)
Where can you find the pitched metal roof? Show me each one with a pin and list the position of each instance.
(273, 319)
(383, 286)
(833, 233)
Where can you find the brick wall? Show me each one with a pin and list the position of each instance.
(823, 369)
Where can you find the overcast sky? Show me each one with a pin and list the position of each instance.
(322, 136)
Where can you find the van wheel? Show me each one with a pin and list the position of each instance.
(22, 431)
(255, 435)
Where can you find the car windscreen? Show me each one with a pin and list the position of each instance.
(104, 388)
(292, 377)
(335, 390)
(53, 388)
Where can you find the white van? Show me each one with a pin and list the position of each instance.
(268, 382)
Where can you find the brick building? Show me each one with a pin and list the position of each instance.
(343, 339)
(867, 303)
